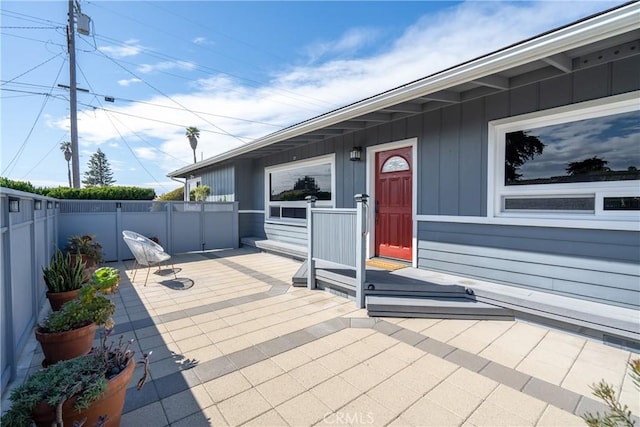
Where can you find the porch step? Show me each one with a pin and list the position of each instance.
(290, 250)
(435, 307)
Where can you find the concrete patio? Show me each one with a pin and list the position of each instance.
(234, 344)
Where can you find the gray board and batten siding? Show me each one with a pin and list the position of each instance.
(452, 181)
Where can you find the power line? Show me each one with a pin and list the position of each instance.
(181, 125)
(4, 82)
(148, 143)
(283, 92)
(122, 137)
(133, 153)
(173, 100)
(44, 157)
(13, 161)
(209, 70)
(29, 28)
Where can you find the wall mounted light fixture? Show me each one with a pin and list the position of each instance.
(14, 205)
(355, 154)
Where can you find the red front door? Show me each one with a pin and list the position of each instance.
(393, 203)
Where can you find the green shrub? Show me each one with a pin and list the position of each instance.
(91, 193)
(619, 415)
(27, 187)
(103, 193)
(173, 195)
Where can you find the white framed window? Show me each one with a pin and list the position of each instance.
(578, 162)
(287, 186)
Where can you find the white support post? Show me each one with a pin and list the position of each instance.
(361, 242)
(311, 265)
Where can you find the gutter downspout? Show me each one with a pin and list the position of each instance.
(184, 184)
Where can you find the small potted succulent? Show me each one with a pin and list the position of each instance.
(88, 390)
(70, 331)
(64, 277)
(87, 247)
(106, 279)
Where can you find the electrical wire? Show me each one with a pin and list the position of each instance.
(122, 137)
(134, 154)
(44, 157)
(173, 100)
(181, 125)
(14, 160)
(4, 82)
(147, 142)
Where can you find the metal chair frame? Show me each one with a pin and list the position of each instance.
(146, 252)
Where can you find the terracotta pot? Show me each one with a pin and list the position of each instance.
(57, 299)
(66, 345)
(110, 404)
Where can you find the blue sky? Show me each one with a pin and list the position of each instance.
(236, 70)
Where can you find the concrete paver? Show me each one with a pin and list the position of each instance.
(241, 347)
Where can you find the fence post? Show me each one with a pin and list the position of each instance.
(361, 232)
(118, 230)
(311, 265)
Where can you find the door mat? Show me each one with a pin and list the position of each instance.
(386, 264)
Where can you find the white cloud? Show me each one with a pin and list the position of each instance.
(146, 153)
(167, 65)
(127, 82)
(129, 48)
(202, 41)
(350, 42)
(297, 93)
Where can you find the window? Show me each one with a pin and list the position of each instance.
(580, 161)
(287, 187)
(395, 164)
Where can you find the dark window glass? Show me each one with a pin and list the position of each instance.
(299, 213)
(298, 183)
(599, 149)
(550, 203)
(274, 211)
(622, 203)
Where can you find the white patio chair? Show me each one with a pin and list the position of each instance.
(146, 252)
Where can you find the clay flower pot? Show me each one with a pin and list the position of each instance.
(109, 405)
(57, 299)
(59, 346)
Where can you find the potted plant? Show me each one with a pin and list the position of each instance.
(69, 332)
(88, 248)
(64, 277)
(88, 390)
(106, 279)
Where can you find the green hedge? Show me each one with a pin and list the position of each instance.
(21, 186)
(90, 193)
(103, 193)
(177, 194)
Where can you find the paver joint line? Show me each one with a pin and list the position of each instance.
(232, 363)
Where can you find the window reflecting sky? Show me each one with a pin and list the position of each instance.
(614, 138)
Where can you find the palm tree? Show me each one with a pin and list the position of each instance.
(193, 133)
(65, 147)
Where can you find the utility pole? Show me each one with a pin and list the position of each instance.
(73, 103)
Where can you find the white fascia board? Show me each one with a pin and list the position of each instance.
(601, 27)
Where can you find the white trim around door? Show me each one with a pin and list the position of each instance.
(371, 187)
